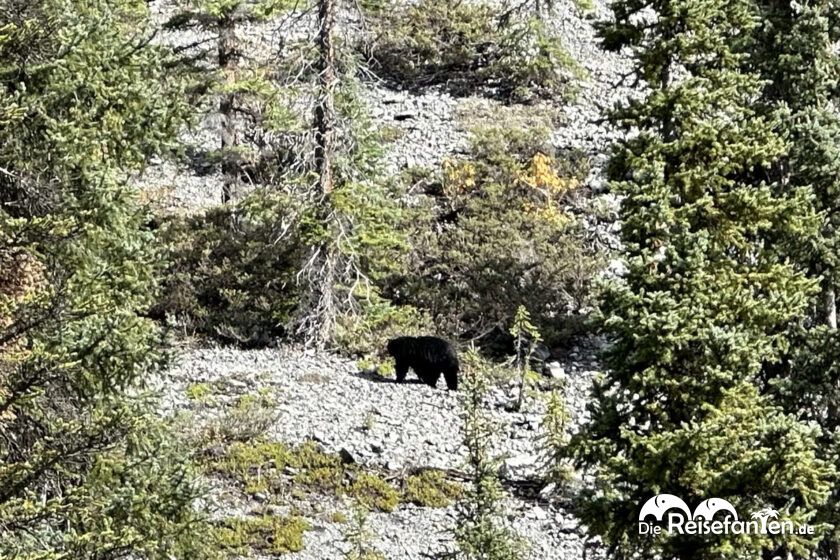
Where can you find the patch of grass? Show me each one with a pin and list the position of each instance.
(338, 517)
(372, 492)
(248, 419)
(199, 392)
(267, 467)
(255, 465)
(268, 533)
(315, 378)
(317, 471)
(476, 113)
(370, 421)
(327, 480)
(259, 466)
(431, 489)
(309, 456)
(390, 134)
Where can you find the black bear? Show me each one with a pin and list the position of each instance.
(428, 356)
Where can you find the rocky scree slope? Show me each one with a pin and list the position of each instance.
(390, 427)
(428, 126)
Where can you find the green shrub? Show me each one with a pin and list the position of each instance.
(466, 47)
(269, 533)
(372, 492)
(482, 531)
(507, 238)
(247, 419)
(198, 392)
(378, 320)
(358, 535)
(256, 465)
(376, 251)
(232, 270)
(431, 489)
(554, 442)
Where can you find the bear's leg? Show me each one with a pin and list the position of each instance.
(428, 375)
(432, 378)
(401, 370)
(451, 377)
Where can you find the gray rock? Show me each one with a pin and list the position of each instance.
(554, 370)
(519, 466)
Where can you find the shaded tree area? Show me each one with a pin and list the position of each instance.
(709, 295)
(88, 471)
(793, 51)
(721, 376)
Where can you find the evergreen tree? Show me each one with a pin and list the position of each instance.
(239, 77)
(84, 470)
(525, 337)
(794, 52)
(554, 441)
(481, 532)
(705, 299)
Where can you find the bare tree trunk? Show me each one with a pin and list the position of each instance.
(521, 370)
(320, 313)
(325, 108)
(830, 304)
(228, 61)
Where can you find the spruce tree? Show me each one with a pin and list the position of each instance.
(794, 52)
(242, 87)
(705, 299)
(481, 532)
(85, 470)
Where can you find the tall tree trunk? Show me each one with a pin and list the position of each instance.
(318, 323)
(228, 61)
(325, 109)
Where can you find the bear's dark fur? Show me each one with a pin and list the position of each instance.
(428, 356)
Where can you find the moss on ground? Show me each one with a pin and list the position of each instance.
(255, 465)
(275, 472)
(265, 466)
(199, 392)
(267, 533)
(325, 480)
(373, 492)
(431, 489)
